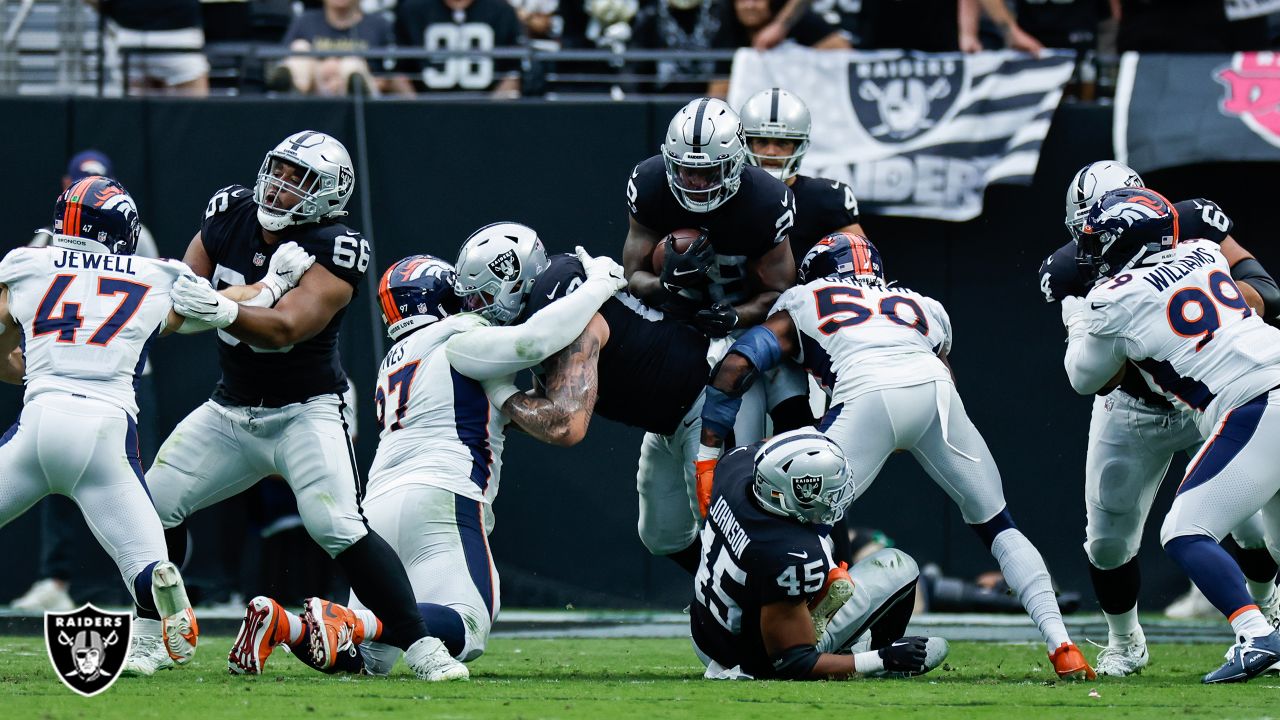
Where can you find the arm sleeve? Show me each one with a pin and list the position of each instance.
(491, 352)
(1091, 359)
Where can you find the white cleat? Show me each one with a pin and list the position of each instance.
(179, 629)
(147, 653)
(936, 651)
(1126, 658)
(47, 594)
(431, 661)
(1270, 608)
(1191, 604)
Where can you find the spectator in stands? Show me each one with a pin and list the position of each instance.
(760, 20)
(1181, 26)
(63, 534)
(339, 27)
(152, 24)
(1069, 24)
(462, 25)
(936, 25)
(684, 25)
(539, 18)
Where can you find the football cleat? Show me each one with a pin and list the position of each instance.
(1127, 658)
(1270, 608)
(1070, 664)
(265, 626)
(836, 592)
(936, 650)
(147, 652)
(331, 630)
(47, 594)
(431, 661)
(178, 626)
(1247, 659)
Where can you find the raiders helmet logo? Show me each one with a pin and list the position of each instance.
(87, 647)
(506, 266)
(806, 488)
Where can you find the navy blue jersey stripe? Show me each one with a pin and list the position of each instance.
(133, 453)
(833, 413)
(1233, 434)
(817, 362)
(475, 548)
(471, 419)
(1189, 390)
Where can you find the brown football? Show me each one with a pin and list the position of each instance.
(679, 239)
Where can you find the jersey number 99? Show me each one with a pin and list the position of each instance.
(1193, 312)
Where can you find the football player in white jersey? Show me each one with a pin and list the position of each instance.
(1134, 432)
(1174, 311)
(84, 309)
(881, 353)
(440, 394)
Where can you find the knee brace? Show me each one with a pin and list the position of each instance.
(1109, 553)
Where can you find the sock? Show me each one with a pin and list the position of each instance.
(378, 578)
(370, 626)
(177, 542)
(297, 633)
(446, 624)
(868, 662)
(689, 557)
(892, 623)
(144, 603)
(1027, 575)
(1117, 588)
(1122, 626)
(1213, 571)
(1249, 622)
(791, 414)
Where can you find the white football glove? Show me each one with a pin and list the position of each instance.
(284, 273)
(603, 268)
(195, 298)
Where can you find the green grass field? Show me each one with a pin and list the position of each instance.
(647, 679)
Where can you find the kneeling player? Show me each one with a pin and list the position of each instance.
(881, 355)
(764, 564)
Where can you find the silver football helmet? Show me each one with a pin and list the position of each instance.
(704, 152)
(1090, 184)
(497, 267)
(803, 475)
(776, 113)
(323, 184)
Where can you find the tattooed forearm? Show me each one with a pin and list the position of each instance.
(562, 415)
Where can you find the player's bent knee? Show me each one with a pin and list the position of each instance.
(900, 568)
(1110, 553)
(332, 531)
(664, 541)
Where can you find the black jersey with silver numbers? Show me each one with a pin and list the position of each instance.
(750, 558)
(822, 207)
(652, 369)
(1202, 219)
(745, 227)
(233, 240)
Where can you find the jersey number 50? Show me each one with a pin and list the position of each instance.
(836, 300)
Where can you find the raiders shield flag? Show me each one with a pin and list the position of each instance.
(915, 134)
(87, 647)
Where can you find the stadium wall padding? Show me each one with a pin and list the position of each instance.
(566, 519)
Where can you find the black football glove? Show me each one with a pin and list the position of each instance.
(1060, 275)
(687, 270)
(905, 655)
(716, 321)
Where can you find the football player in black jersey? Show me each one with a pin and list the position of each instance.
(1134, 431)
(776, 124)
(765, 563)
(646, 370)
(278, 408)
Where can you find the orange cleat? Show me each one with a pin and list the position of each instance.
(331, 628)
(264, 627)
(1069, 663)
(835, 593)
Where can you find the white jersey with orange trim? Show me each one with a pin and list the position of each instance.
(855, 338)
(88, 318)
(438, 426)
(1186, 326)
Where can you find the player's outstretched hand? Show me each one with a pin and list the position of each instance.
(601, 267)
(287, 266)
(195, 298)
(905, 655)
